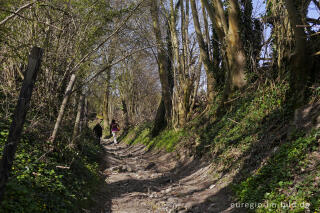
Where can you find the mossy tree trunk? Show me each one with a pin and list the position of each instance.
(166, 101)
(159, 121)
(125, 115)
(299, 66)
(282, 36)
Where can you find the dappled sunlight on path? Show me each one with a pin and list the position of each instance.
(155, 181)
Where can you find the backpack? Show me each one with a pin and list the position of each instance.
(115, 126)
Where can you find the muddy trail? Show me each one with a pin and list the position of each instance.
(143, 181)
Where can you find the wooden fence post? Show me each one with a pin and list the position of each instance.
(19, 116)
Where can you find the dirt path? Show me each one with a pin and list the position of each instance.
(140, 181)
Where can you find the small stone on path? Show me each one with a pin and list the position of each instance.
(150, 166)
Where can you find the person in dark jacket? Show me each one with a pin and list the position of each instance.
(98, 131)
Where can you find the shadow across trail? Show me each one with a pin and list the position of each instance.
(141, 181)
(272, 132)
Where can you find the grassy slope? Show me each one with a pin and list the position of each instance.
(167, 139)
(39, 186)
(254, 148)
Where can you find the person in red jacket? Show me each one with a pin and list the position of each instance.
(114, 128)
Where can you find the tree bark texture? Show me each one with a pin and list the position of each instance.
(76, 128)
(105, 109)
(204, 54)
(62, 108)
(159, 121)
(282, 35)
(228, 32)
(299, 61)
(125, 115)
(184, 67)
(85, 113)
(163, 68)
(34, 63)
(215, 20)
(235, 51)
(105, 113)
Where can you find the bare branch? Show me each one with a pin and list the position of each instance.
(17, 11)
(107, 39)
(233, 121)
(108, 66)
(29, 19)
(317, 33)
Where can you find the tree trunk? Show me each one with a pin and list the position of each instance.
(184, 36)
(299, 62)
(105, 114)
(19, 116)
(78, 118)
(181, 112)
(195, 92)
(220, 17)
(235, 61)
(186, 101)
(219, 22)
(206, 30)
(85, 114)
(163, 70)
(282, 36)
(106, 119)
(175, 41)
(235, 52)
(204, 54)
(62, 108)
(215, 20)
(125, 115)
(159, 121)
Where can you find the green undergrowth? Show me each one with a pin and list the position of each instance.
(253, 146)
(289, 180)
(38, 185)
(167, 139)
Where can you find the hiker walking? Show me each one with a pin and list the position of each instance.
(114, 128)
(98, 131)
